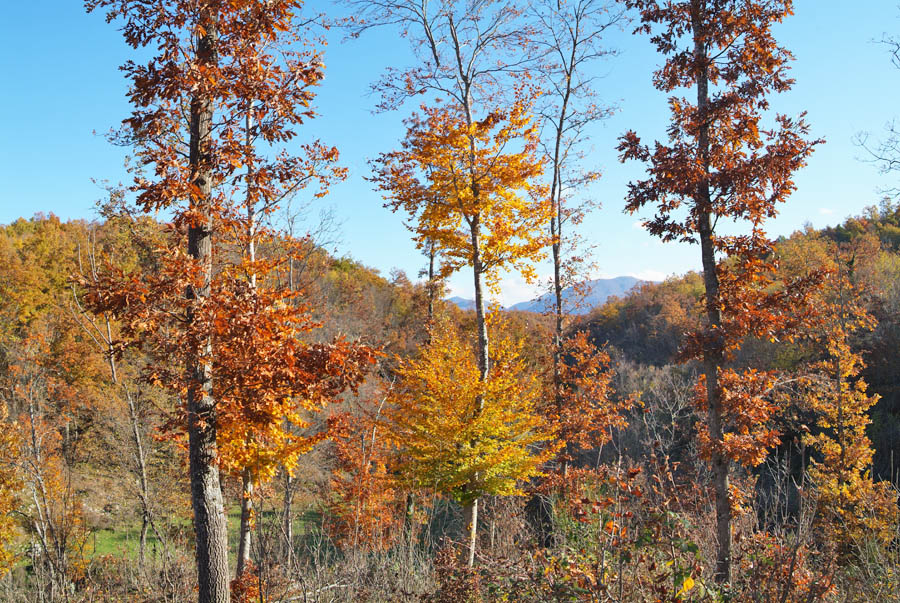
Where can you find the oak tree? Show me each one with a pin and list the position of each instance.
(719, 164)
(222, 76)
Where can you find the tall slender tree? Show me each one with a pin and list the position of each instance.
(570, 34)
(216, 65)
(468, 188)
(720, 162)
(467, 52)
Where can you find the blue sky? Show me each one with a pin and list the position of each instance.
(61, 83)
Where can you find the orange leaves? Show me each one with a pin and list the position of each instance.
(747, 410)
(245, 588)
(263, 372)
(365, 504)
(454, 177)
(237, 66)
(583, 413)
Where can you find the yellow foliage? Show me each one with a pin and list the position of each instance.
(464, 182)
(10, 484)
(461, 435)
(853, 507)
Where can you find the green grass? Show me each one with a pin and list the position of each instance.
(124, 540)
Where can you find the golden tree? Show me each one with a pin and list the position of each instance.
(853, 507)
(467, 187)
(463, 435)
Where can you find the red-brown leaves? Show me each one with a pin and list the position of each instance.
(365, 504)
(248, 68)
(263, 371)
(583, 413)
(723, 164)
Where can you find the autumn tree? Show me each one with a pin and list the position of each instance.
(467, 54)
(466, 187)
(48, 405)
(213, 108)
(463, 435)
(365, 500)
(268, 183)
(853, 507)
(582, 407)
(51, 385)
(721, 164)
(570, 36)
(10, 485)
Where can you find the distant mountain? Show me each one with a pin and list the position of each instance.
(598, 292)
(462, 303)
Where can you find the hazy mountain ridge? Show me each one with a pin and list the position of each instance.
(461, 302)
(599, 290)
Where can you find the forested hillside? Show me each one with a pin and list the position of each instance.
(200, 402)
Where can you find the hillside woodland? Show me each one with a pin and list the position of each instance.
(200, 402)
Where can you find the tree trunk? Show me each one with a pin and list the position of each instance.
(556, 224)
(712, 347)
(409, 527)
(243, 554)
(142, 551)
(432, 288)
(141, 462)
(287, 518)
(470, 522)
(206, 493)
(720, 465)
(470, 511)
(480, 316)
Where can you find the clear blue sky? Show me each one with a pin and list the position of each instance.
(60, 80)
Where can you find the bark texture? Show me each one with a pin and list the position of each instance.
(206, 491)
(712, 349)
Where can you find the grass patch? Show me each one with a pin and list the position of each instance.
(123, 540)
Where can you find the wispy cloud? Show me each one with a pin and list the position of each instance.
(650, 275)
(825, 211)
